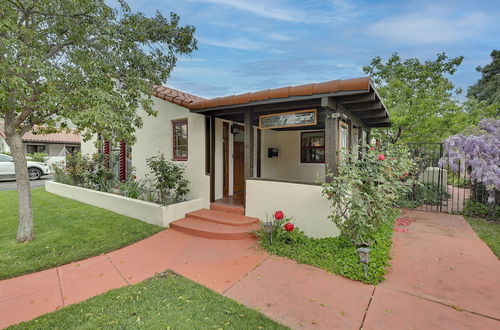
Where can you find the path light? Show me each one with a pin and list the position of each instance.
(268, 228)
(364, 258)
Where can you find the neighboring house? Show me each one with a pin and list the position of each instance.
(265, 150)
(52, 144)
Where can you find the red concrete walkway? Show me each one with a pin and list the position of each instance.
(442, 277)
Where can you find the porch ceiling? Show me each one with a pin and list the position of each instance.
(356, 96)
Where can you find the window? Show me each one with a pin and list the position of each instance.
(312, 149)
(33, 148)
(5, 158)
(72, 149)
(180, 139)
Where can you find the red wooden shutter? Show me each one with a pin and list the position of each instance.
(123, 161)
(106, 152)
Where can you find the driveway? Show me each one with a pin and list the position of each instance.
(10, 184)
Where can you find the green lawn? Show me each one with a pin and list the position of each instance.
(488, 231)
(167, 301)
(65, 231)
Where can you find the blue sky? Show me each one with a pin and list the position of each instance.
(259, 44)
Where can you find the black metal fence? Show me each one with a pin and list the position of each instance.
(445, 189)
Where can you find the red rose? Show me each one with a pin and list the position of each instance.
(289, 226)
(406, 173)
(381, 157)
(372, 148)
(279, 215)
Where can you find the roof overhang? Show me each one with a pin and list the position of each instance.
(364, 103)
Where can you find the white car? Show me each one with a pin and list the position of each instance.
(35, 169)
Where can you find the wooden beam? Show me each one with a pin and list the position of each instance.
(248, 145)
(212, 158)
(331, 140)
(267, 108)
(259, 153)
(365, 106)
(377, 120)
(368, 97)
(328, 102)
(371, 114)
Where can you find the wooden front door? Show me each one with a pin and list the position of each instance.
(238, 167)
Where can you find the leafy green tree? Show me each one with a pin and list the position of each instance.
(83, 62)
(487, 88)
(418, 96)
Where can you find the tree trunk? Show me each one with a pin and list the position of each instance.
(25, 227)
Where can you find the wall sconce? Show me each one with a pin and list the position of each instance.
(235, 129)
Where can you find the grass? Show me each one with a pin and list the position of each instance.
(337, 254)
(488, 231)
(65, 231)
(167, 301)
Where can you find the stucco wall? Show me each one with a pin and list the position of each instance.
(156, 136)
(303, 202)
(148, 212)
(287, 165)
(3, 145)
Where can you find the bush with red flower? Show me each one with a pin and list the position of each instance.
(275, 228)
(364, 190)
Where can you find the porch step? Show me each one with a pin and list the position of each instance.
(228, 209)
(208, 229)
(224, 218)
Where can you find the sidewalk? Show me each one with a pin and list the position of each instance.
(442, 276)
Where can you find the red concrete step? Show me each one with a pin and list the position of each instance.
(213, 230)
(224, 218)
(228, 209)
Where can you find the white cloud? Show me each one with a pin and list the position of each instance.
(236, 43)
(269, 9)
(430, 27)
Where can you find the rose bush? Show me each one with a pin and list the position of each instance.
(363, 191)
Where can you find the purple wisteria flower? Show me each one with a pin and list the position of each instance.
(480, 151)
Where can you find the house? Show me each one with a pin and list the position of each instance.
(260, 151)
(53, 144)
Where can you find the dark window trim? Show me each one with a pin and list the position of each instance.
(179, 122)
(310, 147)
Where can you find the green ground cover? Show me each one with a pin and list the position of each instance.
(488, 231)
(65, 231)
(337, 254)
(167, 301)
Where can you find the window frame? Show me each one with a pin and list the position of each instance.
(36, 145)
(175, 123)
(312, 147)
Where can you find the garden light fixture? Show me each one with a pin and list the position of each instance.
(268, 228)
(364, 257)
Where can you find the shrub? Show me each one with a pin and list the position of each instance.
(137, 189)
(364, 190)
(169, 181)
(481, 210)
(38, 157)
(86, 172)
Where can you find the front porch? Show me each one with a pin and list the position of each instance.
(271, 150)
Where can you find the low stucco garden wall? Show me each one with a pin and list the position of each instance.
(145, 211)
(303, 202)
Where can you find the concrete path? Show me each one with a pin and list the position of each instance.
(442, 277)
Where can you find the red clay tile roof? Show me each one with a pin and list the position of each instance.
(284, 92)
(61, 137)
(175, 96)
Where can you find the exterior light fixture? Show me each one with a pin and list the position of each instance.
(268, 228)
(364, 258)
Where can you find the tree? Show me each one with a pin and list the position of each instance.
(487, 88)
(418, 97)
(83, 62)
